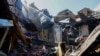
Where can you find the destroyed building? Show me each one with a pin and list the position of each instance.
(26, 30)
(80, 26)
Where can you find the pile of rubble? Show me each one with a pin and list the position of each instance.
(27, 31)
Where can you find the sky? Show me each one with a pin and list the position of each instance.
(55, 6)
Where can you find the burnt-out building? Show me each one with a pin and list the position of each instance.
(80, 26)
